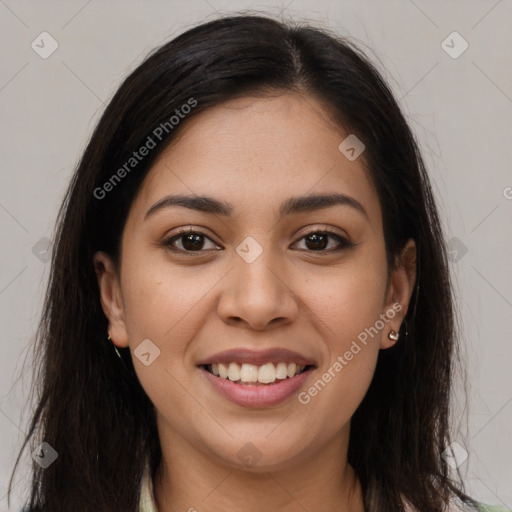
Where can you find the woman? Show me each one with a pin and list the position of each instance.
(249, 305)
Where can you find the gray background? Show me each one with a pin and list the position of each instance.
(460, 109)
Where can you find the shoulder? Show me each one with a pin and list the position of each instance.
(493, 508)
(482, 507)
(458, 506)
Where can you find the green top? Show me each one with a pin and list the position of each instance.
(147, 501)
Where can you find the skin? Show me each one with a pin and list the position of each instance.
(255, 153)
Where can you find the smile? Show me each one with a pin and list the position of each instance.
(256, 378)
(246, 374)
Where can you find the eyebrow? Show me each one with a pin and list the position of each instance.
(291, 206)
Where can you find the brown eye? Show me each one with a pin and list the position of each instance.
(319, 241)
(189, 241)
(192, 242)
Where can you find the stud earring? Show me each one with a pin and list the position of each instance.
(393, 335)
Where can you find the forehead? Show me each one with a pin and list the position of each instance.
(257, 152)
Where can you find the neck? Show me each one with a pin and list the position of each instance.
(190, 480)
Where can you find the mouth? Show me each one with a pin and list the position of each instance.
(247, 374)
(257, 379)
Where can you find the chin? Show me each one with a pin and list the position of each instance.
(260, 455)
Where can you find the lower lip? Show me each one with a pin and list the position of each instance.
(261, 396)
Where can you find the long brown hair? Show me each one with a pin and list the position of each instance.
(90, 407)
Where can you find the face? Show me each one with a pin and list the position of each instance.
(255, 283)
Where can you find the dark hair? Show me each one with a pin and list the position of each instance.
(92, 410)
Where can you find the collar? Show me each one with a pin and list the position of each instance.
(147, 498)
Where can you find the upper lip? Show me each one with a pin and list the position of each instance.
(257, 357)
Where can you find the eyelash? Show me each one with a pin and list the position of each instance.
(168, 242)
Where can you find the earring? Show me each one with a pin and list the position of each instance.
(393, 335)
(115, 348)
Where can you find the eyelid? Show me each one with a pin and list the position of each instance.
(344, 241)
(167, 242)
(323, 228)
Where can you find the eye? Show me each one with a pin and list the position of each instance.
(189, 240)
(319, 241)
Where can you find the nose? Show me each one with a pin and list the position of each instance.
(258, 295)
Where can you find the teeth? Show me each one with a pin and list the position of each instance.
(223, 371)
(233, 372)
(267, 373)
(250, 373)
(281, 371)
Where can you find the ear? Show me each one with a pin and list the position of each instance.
(400, 288)
(111, 298)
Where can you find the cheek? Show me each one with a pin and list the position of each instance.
(347, 300)
(167, 305)
(352, 347)
(333, 396)
(347, 306)
(160, 298)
